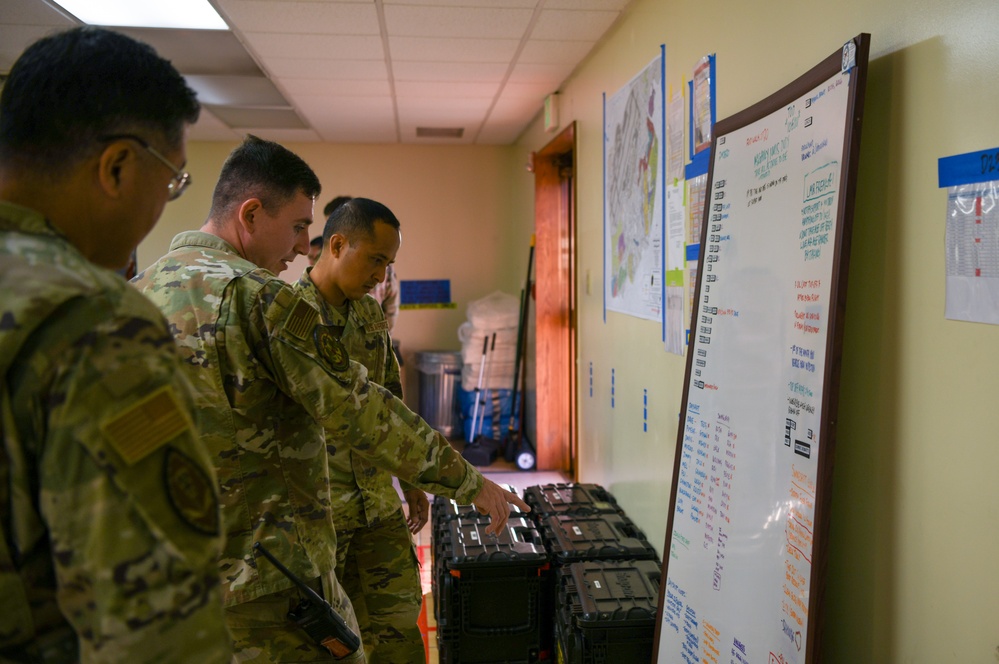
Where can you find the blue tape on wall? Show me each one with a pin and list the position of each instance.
(698, 165)
(968, 168)
(693, 252)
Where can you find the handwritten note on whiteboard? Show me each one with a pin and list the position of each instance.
(740, 551)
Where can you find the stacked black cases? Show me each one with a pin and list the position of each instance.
(557, 499)
(442, 512)
(572, 538)
(607, 612)
(490, 593)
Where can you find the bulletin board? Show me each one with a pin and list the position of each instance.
(744, 555)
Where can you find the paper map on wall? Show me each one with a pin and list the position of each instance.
(633, 195)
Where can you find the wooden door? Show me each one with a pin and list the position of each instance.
(555, 293)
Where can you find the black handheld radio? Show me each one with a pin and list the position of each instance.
(316, 616)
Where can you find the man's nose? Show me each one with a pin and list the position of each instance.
(302, 242)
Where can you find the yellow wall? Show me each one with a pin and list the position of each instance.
(453, 204)
(913, 575)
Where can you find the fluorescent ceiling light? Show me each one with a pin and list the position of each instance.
(191, 14)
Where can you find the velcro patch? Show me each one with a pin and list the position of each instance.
(146, 426)
(302, 320)
(379, 326)
(330, 349)
(191, 493)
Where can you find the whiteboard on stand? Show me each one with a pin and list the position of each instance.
(745, 546)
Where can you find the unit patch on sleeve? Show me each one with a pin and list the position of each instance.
(330, 349)
(145, 426)
(191, 493)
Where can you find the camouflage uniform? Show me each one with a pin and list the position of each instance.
(387, 295)
(108, 502)
(376, 561)
(267, 379)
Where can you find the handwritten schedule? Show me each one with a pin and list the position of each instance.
(740, 551)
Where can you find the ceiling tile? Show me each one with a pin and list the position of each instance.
(333, 70)
(207, 52)
(613, 5)
(236, 91)
(504, 4)
(512, 108)
(531, 73)
(33, 12)
(258, 118)
(436, 49)
(359, 133)
(309, 87)
(333, 113)
(462, 106)
(347, 47)
(210, 128)
(460, 22)
(438, 118)
(332, 18)
(446, 89)
(550, 52)
(352, 120)
(340, 108)
(576, 25)
(448, 71)
(538, 90)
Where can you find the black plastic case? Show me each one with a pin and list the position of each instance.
(493, 601)
(606, 612)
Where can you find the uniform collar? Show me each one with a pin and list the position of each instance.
(201, 239)
(15, 217)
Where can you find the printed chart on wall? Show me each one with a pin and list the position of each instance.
(634, 153)
(752, 479)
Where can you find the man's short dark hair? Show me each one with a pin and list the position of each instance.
(265, 170)
(334, 204)
(316, 242)
(357, 217)
(70, 90)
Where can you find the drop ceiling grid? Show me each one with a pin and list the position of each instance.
(487, 63)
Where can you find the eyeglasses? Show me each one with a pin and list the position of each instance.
(180, 180)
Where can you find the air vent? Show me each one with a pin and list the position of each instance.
(439, 132)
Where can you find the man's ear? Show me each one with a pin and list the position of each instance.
(114, 166)
(337, 244)
(247, 212)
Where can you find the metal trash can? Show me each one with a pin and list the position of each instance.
(440, 376)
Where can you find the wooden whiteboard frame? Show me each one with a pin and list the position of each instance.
(825, 70)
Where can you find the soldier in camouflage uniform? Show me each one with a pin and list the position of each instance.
(376, 562)
(386, 292)
(268, 378)
(108, 503)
